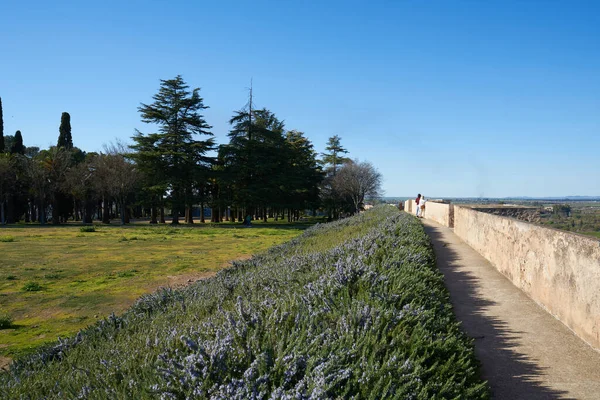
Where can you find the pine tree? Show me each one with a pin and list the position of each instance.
(254, 157)
(303, 174)
(335, 150)
(17, 145)
(65, 139)
(180, 157)
(1, 128)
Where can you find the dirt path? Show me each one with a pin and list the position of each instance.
(525, 352)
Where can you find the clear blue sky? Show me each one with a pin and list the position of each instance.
(446, 98)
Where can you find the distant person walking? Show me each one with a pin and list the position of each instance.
(417, 200)
(422, 206)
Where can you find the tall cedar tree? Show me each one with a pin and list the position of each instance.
(334, 156)
(180, 158)
(303, 172)
(254, 157)
(17, 145)
(1, 128)
(64, 138)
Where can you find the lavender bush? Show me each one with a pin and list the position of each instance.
(353, 309)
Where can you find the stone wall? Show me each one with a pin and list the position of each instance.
(442, 213)
(559, 270)
(408, 206)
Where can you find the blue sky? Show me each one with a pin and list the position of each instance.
(446, 98)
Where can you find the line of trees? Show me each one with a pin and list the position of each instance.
(264, 171)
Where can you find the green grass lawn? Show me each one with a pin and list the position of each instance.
(55, 281)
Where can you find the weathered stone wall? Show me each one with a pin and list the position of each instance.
(442, 213)
(408, 206)
(559, 270)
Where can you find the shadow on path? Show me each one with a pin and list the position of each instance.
(511, 374)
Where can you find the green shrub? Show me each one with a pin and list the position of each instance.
(31, 287)
(7, 239)
(5, 321)
(11, 278)
(90, 228)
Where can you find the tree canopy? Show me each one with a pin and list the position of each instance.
(263, 170)
(64, 138)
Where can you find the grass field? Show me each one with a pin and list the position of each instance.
(55, 281)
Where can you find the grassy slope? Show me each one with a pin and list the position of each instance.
(365, 316)
(86, 276)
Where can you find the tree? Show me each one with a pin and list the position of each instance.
(180, 158)
(303, 174)
(254, 157)
(115, 175)
(38, 175)
(334, 157)
(65, 139)
(55, 162)
(154, 182)
(356, 181)
(17, 145)
(561, 209)
(7, 177)
(1, 128)
(80, 180)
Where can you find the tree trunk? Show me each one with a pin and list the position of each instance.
(105, 211)
(33, 210)
(122, 212)
(202, 213)
(75, 210)
(27, 218)
(162, 214)
(2, 213)
(55, 216)
(42, 211)
(189, 215)
(88, 211)
(153, 213)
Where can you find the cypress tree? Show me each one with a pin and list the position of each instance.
(64, 138)
(17, 146)
(1, 128)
